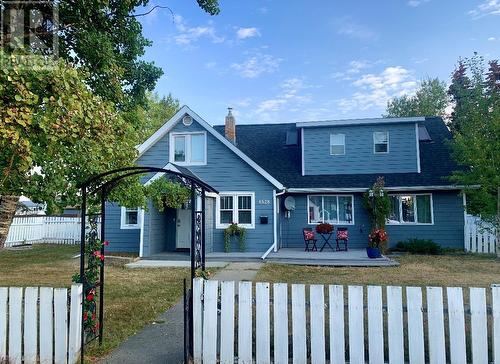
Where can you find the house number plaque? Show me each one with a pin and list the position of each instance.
(264, 202)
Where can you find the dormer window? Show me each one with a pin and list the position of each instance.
(188, 148)
(337, 144)
(381, 142)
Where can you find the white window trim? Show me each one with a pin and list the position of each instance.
(373, 136)
(188, 148)
(343, 143)
(404, 223)
(335, 223)
(234, 194)
(124, 225)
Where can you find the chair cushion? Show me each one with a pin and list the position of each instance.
(342, 235)
(308, 235)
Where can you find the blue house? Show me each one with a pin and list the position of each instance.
(321, 168)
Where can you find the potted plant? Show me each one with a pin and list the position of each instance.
(324, 228)
(376, 238)
(234, 230)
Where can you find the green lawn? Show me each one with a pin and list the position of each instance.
(134, 297)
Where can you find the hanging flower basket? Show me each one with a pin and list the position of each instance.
(324, 228)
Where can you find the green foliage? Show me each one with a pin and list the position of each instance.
(164, 193)
(419, 246)
(430, 99)
(155, 113)
(377, 206)
(234, 230)
(210, 6)
(475, 124)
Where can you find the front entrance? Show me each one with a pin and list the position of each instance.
(183, 229)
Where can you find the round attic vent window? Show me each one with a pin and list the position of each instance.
(187, 120)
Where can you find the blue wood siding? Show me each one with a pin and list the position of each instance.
(448, 228)
(120, 240)
(225, 171)
(359, 157)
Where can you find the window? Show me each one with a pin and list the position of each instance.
(337, 144)
(188, 149)
(237, 207)
(334, 209)
(130, 218)
(381, 142)
(411, 209)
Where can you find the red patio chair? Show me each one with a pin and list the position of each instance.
(342, 236)
(309, 238)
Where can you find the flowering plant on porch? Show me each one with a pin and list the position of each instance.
(377, 238)
(324, 228)
(234, 230)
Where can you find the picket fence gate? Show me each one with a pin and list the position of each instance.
(44, 229)
(37, 327)
(214, 324)
(479, 236)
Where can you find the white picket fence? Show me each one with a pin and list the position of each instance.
(479, 237)
(44, 229)
(42, 326)
(395, 332)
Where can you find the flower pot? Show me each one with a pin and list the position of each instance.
(373, 252)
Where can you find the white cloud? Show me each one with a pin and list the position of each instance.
(492, 39)
(256, 65)
(210, 65)
(415, 3)
(346, 26)
(353, 68)
(489, 7)
(243, 33)
(374, 90)
(188, 35)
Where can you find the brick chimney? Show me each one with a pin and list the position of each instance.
(230, 126)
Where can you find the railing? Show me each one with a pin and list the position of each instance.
(479, 236)
(42, 326)
(427, 327)
(44, 229)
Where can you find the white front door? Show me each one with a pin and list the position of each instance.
(183, 231)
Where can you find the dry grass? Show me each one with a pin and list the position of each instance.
(134, 297)
(414, 270)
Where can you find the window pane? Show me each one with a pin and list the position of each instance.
(394, 214)
(424, 209)
(337, 149)
(180, 149)
(244, 217)
(226, 217)
(381, 141)
(226, 202)
(337, 144)
(407, 203)
(131, 217)
(330, 208)
(314, 209)
(345, 209)
(245, 202)
(380, 148)
(197, 148)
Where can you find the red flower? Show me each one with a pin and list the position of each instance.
(106, 243)
(90, 297)
(85, 316)
(102, 258)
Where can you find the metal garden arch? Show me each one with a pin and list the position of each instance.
(101, 185)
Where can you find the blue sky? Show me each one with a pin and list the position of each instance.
(276, 61)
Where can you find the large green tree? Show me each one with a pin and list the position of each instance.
(475, 123)
(430, 99)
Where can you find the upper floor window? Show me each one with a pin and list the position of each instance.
(381, 142)
(333, 209)
(236, 207)
(130, 218)
(337, 144)
(188, 148)
(411, 209)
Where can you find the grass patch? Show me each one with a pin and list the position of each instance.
(414, 270)
(134, 297)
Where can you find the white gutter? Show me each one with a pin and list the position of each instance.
(398, 188)
(264, 256)
(274, 246)
(141, 235)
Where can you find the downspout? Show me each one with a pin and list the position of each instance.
(274, 246)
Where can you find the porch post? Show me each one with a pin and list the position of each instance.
(83, 217)
(203, 224)
(193, 230)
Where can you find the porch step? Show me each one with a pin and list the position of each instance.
(382, 262)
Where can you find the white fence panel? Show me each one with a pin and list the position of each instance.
(21, 323)
(44, 229)
(405, 323)
(479, 237)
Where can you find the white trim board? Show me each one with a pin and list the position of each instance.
(157, 175)
(360, 189)
(308, 124)
(123, 225)
(160, 133)
(418, 147)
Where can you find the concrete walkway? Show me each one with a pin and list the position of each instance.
(163, 341)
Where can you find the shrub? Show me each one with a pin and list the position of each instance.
(419, 246)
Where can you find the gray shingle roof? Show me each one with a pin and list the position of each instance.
(265, 144)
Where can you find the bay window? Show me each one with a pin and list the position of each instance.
(235, 207)
(411, 209)
(333, 209)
